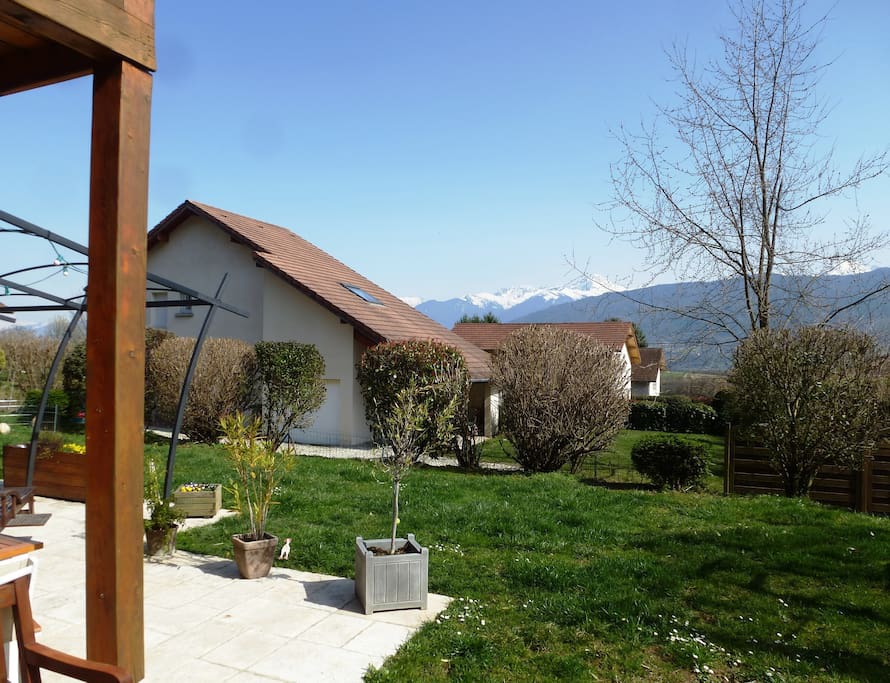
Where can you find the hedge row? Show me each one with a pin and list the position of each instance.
(673, 414)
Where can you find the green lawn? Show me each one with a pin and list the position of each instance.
(557, 579)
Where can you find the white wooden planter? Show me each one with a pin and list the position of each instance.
(387, 582)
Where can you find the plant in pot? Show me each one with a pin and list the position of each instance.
(258, 470)
(413, 413)
(163, 518)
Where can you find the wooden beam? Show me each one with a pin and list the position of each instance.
(116, 364)
(26, 69)
(98, 29)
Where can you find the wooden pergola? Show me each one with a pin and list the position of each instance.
(44, 42)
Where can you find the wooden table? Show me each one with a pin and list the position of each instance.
(12, 546)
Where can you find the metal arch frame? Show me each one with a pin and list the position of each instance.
(78, 304)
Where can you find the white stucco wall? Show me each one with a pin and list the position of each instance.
(625, 358)
(289, 315)
(197, 254)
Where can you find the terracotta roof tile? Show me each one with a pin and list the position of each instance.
(488, 336)
(651, 361)
(321, 277)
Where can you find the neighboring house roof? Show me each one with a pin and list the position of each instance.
(651, 362)
(615, 335)
(323, 278)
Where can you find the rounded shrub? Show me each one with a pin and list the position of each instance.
(670, 461)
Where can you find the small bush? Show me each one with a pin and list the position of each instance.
(670, 461)
(673, 414)
(563, 394)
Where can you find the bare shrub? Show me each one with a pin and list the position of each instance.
(564, 396)
(811, 396)
(28, 358)
(221, 384)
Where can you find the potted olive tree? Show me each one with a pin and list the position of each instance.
(258, 469)
(409, 421)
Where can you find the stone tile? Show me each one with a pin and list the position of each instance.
(335, 630)
(196, 671)
(303, 661)
(246, 649)
(379, 639)
(285, 619)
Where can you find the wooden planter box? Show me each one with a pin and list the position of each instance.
(199, 503)
(385, 582)
(56, 475)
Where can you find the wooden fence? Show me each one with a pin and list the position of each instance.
(748, 471)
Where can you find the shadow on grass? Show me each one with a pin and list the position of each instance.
(618, 485)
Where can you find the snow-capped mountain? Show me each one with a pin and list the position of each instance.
(511, 303)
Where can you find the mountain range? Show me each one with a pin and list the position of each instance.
(511, 303)
(689, 344)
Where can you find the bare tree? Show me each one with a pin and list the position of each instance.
(29, 357)
(734, 195)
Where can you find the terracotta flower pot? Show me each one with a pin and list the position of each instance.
(254, 558)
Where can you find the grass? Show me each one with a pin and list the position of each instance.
(613, 465)
(556, 579)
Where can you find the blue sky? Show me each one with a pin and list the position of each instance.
(437, 148)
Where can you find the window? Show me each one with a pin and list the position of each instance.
(185, 307)
(159, 315)
(361, 294)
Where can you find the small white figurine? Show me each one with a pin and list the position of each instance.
(285, 550)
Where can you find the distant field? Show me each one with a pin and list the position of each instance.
(692, 383)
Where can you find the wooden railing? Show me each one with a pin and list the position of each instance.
(748, 472)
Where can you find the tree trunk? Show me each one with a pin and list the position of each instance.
(395, 516)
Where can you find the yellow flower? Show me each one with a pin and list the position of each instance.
(74, 448)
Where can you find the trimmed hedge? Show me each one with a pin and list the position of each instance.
(673, 414)
(670, 461)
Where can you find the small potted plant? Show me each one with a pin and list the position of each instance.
(163, 518)
(408, 422)
(258, 470)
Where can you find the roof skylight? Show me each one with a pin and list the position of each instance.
(361, 294)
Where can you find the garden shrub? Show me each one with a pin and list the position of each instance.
(290, 376)
(437, 372)
(812, 397)
(563, 396)
(222, 383)
(673, 414)
(670, 461)
(74, 378)
(153, 339)
(56, 398)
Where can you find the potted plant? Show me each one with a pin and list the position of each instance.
(163, 518)
(258, 470)
(408, 422)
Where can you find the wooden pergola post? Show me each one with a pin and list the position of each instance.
(116, 364)
(44, 42)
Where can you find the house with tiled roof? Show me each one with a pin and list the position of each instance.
(618, 336)
(645, 377)
(294, 291)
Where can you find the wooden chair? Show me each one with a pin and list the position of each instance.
(13, 499)
(34, 656)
